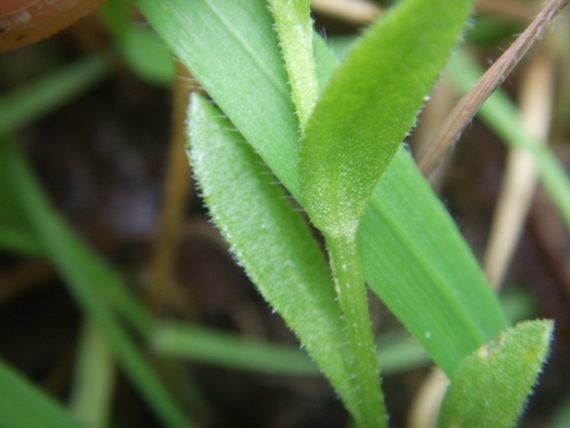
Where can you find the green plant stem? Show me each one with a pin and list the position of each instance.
(349, 285)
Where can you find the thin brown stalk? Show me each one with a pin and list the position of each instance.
(429, 158)
(176, 192)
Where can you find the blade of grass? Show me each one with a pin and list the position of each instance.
(49, 92)
(414, 253)
(92, 391)
(381, 87)
(23, 405)
(345, 151)
(18, 240)
(143, 51)
(396, 353)
(25, 105)
(501, 114)
(83, 273)
(230, 351)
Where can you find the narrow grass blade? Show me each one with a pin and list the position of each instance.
(228, 350)
(433, 285)
(500, 113)
(89, 280)
(272, 242)
(23, 405)
(144, 52)
(48, 93)
(396, 353)
(295, 30)
(92, 390)
(492, 385)
(17, 240)
(413, 255)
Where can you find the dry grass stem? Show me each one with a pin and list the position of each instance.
(425, 407)
(177, 188)
(431, 155)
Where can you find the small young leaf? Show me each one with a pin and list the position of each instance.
(491, 386)
(369, 106)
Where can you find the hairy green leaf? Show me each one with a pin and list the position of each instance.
(491, 386)
(295, 30)
(370, 105)
(272, 242)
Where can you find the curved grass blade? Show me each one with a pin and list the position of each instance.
(491, 386)
(413, 255)
(94, 379)
(272, 242)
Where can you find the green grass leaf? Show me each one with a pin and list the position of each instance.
(19, 108)
(491, 386)
(413, 255)
(396, 353)
(228, 350)
(49, 92)
(93, 382)
(23, 405)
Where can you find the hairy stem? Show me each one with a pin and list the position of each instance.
(351, 291)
